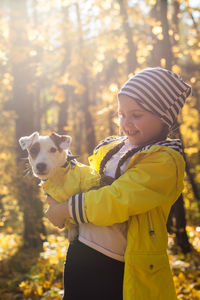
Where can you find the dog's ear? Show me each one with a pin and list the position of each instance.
(66, 141)
(61, 141)
(26, 141)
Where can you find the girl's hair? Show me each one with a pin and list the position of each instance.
(129, 153)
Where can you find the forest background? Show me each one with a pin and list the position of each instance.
(62, 63)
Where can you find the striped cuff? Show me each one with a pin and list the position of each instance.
(76, 209)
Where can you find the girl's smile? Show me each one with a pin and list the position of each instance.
(139, 125)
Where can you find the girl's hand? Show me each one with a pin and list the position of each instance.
(57, 212)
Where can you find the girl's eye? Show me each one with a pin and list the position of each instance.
(137, 116)
(53, 150)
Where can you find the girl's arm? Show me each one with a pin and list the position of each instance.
(154, 181)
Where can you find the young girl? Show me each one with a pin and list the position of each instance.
(126, 221)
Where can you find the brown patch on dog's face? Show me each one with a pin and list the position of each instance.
(34, 150)
(57, 139)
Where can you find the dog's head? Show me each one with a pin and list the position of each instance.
(45, 153)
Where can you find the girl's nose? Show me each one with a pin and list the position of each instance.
(128, 121)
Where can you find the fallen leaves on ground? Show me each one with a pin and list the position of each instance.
(43, 279)
(186, 268)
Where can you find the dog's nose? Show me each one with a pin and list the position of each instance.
(41, 167)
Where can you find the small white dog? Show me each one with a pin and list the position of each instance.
(46, 154)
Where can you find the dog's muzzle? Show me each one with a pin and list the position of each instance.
(41, 167)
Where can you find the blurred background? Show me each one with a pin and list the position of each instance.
(62, 63)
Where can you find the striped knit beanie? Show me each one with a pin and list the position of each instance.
(159, 91)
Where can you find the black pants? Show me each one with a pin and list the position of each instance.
(91, 275)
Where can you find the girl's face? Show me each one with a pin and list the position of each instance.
(139, 125)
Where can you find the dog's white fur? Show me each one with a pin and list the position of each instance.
(50, 155)
(46, 154)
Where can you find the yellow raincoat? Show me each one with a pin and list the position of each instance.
(143, 195)
(71, 180)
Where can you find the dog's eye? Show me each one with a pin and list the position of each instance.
(53, 150)
(33, 151)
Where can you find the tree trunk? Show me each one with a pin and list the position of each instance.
(166, 50)
(111, 123)
(162, 47)
(90, 138)
(22, 103)
(63, 107)
(175, 24)
(177, 223)
(194, 185)
(177, 220)
(131, 56)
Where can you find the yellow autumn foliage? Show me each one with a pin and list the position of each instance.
(66, 50)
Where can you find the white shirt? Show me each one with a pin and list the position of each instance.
(109, 240)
